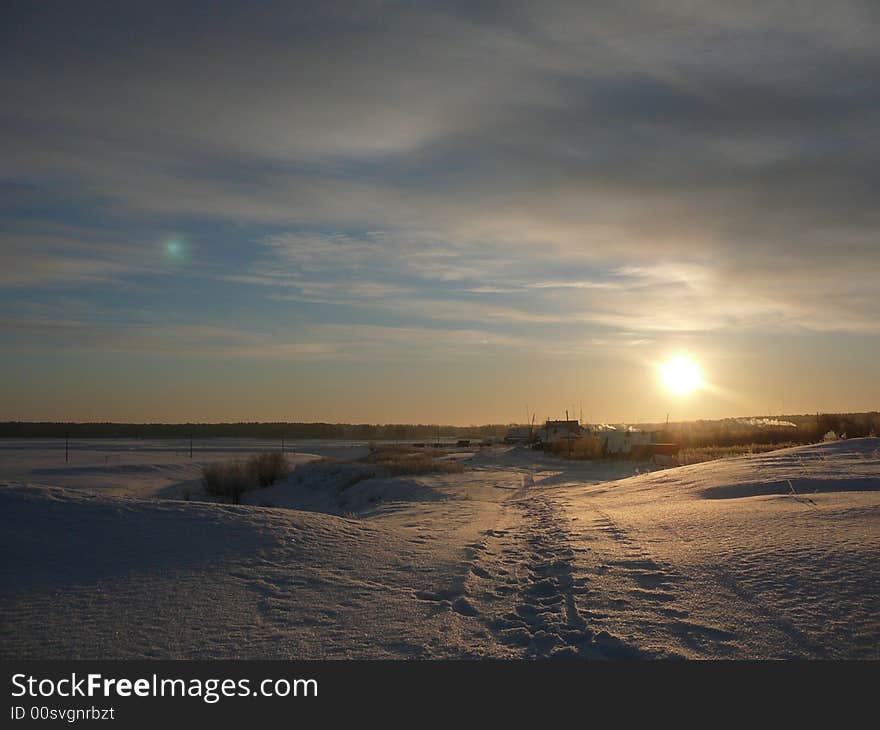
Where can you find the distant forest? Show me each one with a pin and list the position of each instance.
(724, 432)
(343, 431)
(804, 429)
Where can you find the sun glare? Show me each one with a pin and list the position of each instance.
(681, 375)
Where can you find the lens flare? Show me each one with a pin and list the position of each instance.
(681, 375)
(175, 250)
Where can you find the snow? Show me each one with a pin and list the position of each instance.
(341, 488)
(522, 555)
(146, 468)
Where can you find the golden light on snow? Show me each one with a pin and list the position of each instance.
(681, 375)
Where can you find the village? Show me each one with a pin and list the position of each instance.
(574, 439)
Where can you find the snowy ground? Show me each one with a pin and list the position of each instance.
(521, 555)
(143, 468)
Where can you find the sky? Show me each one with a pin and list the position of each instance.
(457, 212)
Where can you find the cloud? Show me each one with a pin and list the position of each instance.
(45, 330)
(60, 257)
(571, 285)
(675, 168)
(375, 274)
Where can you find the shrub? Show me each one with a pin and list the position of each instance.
(268, 468)
(231, 479)
(227, 479)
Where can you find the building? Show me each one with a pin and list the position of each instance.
(621, 439)
(518, 435)
(555, 431)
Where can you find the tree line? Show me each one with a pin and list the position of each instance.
(292, 431)
(735, 432)
(724, 432)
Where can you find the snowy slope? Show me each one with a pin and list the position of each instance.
(88, 576)
(775, 555)
(523, 555)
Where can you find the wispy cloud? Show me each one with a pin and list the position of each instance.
(561, 284)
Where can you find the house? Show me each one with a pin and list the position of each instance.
(617, 440)
(518, 435)
(556, 431)
(623, 439)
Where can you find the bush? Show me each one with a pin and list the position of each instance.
(231, 479)
(268, 468)
(227, 479)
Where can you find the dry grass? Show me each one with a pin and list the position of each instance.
(699, 454)
(590, 447)
(404, 461)
(586, 447)
(232, 478)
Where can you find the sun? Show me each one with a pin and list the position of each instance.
(681, 375)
